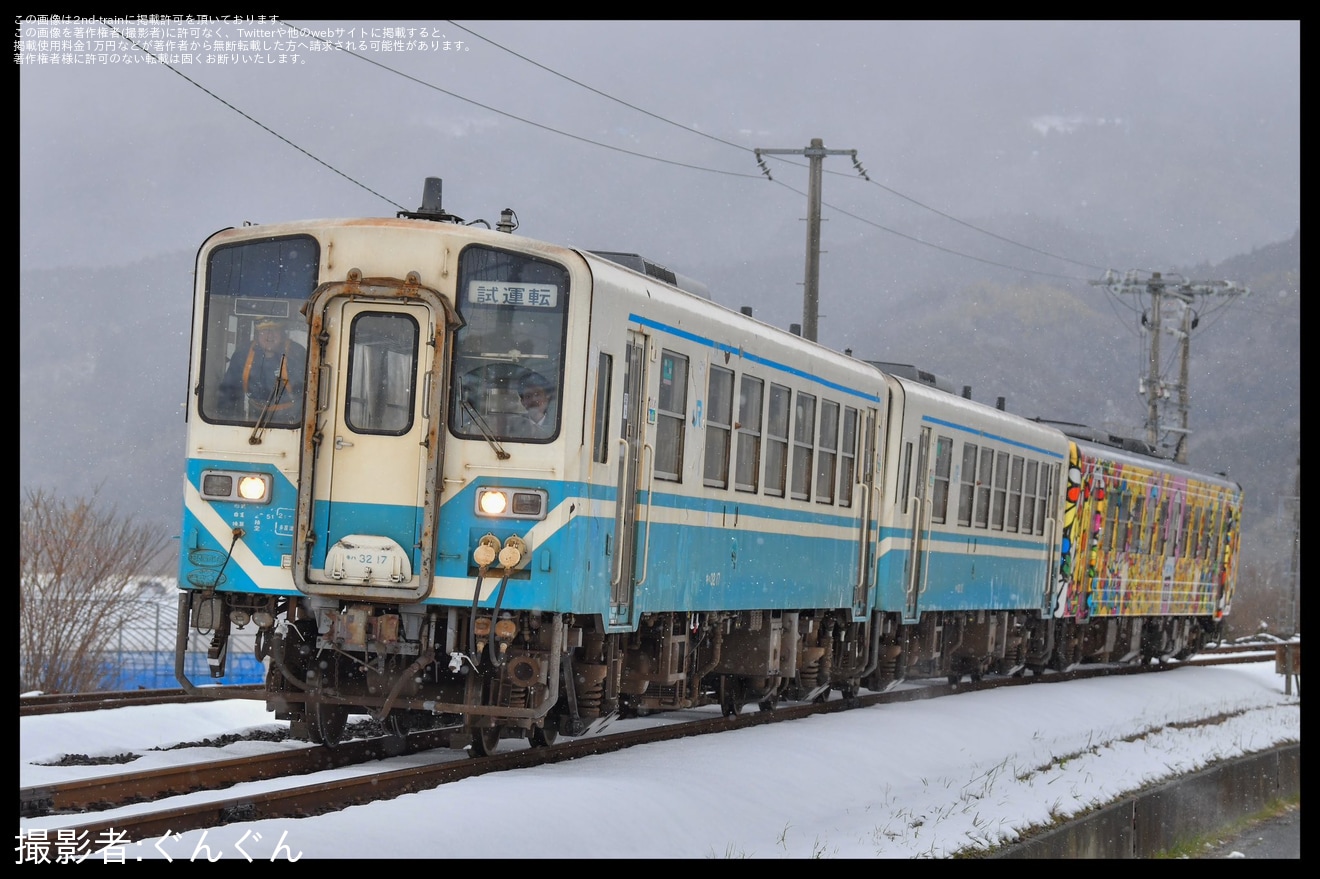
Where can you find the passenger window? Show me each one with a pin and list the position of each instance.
(1046, 497)
(984, 473)
(601, 445)
(1140, 527)
(848, 457)
(1001, 491)
(967, 484)
(671, 415)
(719, 423)
(1162, 526)
(943, 464)
(906, 481)
(804, 436)
(827, 451)
(776, 441)
(747, 476)
(1014, 495)
(1110, 538)
(1121, 531)
(1029, 496)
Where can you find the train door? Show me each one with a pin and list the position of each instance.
(866, 510)
(366, 510)
(632, 441)
(918, 521)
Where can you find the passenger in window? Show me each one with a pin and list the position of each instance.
(268, 375)
(537, 397)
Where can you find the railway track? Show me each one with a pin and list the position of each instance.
(63, 703)
(80, 800)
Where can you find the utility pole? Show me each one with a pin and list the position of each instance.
(811, 292)
(1178, 294)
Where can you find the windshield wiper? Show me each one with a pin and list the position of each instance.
(485, 430)
(268, 408)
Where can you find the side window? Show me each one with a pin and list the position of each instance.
(1163, 527)
(906, 481)
(1029, 490)
(943, 465)
(848, 457)
(1046, 499)
(600, 448)
(719, 424)
(1121, 531)
(1001, 492)
(804, 437)
(671, 414)
(1014, 495)
(750, 392)
(1140, 539)
(1105, 539)
(967, 484)
(827, 451)
(776, 441)
(983, 475)
(1184, 532)
(1109, 540)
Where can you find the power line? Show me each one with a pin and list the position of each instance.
(514, 117)
(249, 118)
(765, 170)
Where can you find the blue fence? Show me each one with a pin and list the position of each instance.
(142, 655)
(154, 670)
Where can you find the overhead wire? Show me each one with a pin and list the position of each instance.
(738, 146)
(248, 116)
(515, 117)
(636, 154)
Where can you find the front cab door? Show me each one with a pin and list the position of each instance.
(372, 449)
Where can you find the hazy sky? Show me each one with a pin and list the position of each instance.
(1107, 125)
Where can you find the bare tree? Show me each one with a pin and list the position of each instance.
(76, 561)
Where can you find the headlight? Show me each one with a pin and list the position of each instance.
(492, 502)
(252, 488)
(233, 485)
(512, 503)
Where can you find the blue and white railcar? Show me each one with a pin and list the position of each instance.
(691, 521)
(450, 474)
(969, 527)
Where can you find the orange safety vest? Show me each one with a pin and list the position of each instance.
(284, 374)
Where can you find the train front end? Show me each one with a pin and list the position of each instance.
(377, 447)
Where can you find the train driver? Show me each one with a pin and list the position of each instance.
(269, 374)
(537, 396)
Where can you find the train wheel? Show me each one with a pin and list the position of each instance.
(484, 741)
(543, 737)
(327, 722)
(396, 734)
(731, 696)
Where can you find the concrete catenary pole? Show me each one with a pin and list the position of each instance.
(811, 285)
